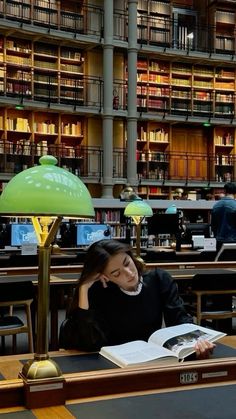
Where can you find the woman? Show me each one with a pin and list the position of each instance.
(116, 302)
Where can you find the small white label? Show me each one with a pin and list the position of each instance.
(215, 374)
(29, 249)
(44, 387)
(188, 377)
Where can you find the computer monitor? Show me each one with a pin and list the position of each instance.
(195, 229)
(163, 224)
(91, 232)
(22, 234)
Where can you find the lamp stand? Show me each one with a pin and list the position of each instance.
(42, 366)
(138, 221)
(138, 239)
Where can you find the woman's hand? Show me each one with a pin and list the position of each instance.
(204, 349)
(88, 282)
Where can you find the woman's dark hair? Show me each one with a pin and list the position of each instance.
(99, 253)
(97, 258)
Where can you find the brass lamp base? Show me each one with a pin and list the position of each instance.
(43, 383)
(38, 369)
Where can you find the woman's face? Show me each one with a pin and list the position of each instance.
(122, 271)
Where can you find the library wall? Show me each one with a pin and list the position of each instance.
(174, 86)
(94, 63)
(118, 133)
(94, 132)
(119, 66)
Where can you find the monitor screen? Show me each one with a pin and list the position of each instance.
(22, 233)
(198, 229)
(163, 224)
(89, 233)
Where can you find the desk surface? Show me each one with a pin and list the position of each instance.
(60, 279)
(215, 402)
(105, 385)
(72, 361)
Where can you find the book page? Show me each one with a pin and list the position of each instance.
(181, 339)
(135, 352)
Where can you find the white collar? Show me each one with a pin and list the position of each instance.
(136, 292)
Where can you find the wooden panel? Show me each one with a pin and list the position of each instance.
(187, 141)
(178, 166)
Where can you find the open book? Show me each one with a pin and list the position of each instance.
(169, 344)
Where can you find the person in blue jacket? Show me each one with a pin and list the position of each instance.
(223, 217)
(115, 301)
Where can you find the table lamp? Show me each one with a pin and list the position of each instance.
(138, 210)
(45, 193)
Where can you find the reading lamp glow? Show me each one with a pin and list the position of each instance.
(138, 210)
(45, 193)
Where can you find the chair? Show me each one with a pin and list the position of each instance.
(226, 252)
(212, 296)
(16, 295)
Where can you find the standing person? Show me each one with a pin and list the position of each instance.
(116, 302)
(223, 217)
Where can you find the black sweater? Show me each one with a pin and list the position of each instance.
(115, 317)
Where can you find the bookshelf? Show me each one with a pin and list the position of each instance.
(153, 141)
(224, 92)
(71, 15)
(45, 64)
(45, 12)
(181, 88)
(26, 135)
(153, 85)
(118, 224)
(18, 63)
(153, 22)
(224, 148)
(185, 89)
(222, 17)
(58, 74)
(203, 84)
(154, 192)
(114, 218)
(19, 8)
(41, 71)
(71, 75)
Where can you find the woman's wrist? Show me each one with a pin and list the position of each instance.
(83, 297)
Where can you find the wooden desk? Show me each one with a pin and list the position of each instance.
(118, 381)
(218, 400)
(206, 402)
(182, 268)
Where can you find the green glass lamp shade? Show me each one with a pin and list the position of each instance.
(138, 209)
(171, 210)
(46, 190)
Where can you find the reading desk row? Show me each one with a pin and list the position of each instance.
(93, 388)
